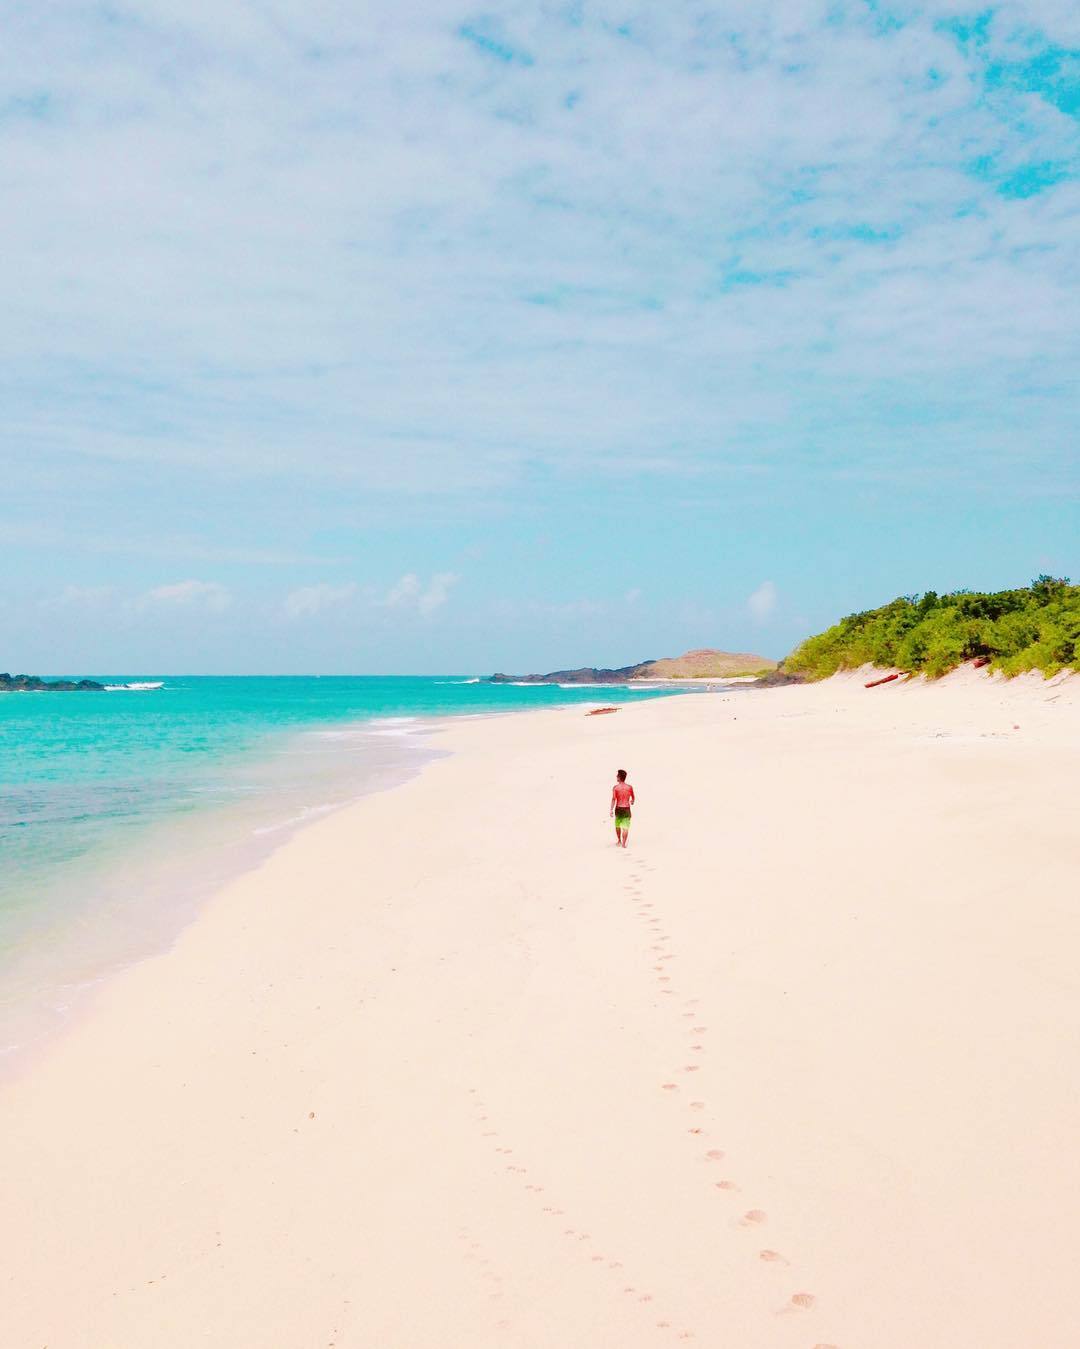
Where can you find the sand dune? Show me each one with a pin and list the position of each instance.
(796, 1071)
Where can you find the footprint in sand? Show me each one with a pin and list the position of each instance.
(752, 1217)
(726, 1185)
(669, 1086)
(713, 1154)
(803, 1299)
(697, 1105)
(772, 1257)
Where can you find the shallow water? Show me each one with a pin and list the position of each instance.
(119, 811)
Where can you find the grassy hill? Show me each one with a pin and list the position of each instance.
(1037, 628)
(705, 663)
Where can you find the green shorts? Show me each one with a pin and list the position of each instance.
(622, 817)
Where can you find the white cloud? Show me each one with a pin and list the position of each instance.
(307, 601)
(410, 592)
(403, 592)
(437, 593)
(710, 230)
(762, 603)
(338, 262)
(194, 594)
(82, 597)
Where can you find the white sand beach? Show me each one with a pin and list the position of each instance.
(796, 1071)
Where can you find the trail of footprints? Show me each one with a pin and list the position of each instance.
(486, 1270)
(661, 958)
(621, 1283)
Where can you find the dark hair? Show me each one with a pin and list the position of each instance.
(621, 774)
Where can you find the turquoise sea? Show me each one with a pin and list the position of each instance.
(120, 811)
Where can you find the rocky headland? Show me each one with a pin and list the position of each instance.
(32, 684)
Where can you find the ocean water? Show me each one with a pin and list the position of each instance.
(121, 811)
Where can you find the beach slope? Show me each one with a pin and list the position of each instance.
(795, 1071)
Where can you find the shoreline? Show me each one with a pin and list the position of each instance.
(437, 1074)
(137, 896)
(54, 982)
(71, 924)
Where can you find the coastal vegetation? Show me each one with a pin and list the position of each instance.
(1034, 628)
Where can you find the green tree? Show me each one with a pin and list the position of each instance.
(1032, 628)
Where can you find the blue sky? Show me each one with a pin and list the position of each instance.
(350, 337)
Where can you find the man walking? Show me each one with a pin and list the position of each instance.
(622, 798)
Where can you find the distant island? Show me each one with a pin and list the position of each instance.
(32, 684)
(704, 663)
(1033, 628)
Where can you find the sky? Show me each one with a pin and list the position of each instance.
(345, 337)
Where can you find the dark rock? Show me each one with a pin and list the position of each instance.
(588, 674)
(776, 679)
(32, 684)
